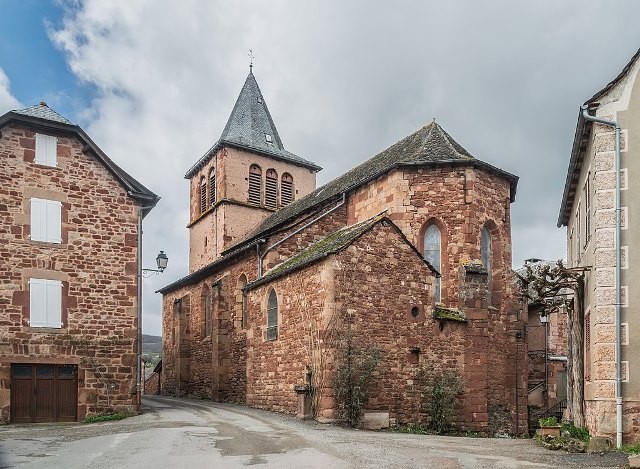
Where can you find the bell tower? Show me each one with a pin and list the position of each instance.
(245, 177)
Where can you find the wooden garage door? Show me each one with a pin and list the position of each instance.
(44, 393)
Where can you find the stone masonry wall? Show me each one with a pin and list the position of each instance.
(96, 263)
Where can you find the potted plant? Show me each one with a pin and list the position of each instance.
(549, 426)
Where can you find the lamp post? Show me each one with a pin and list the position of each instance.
(161, 263)
(544, 320)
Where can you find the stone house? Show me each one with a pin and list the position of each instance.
(409, 252)
(588, 210)
(69, 229)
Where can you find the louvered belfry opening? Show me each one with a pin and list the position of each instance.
(255, 184)
(286, 189)
(271, 190)
(203, 195)
(212, 187)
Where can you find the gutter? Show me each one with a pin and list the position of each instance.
(618, 210)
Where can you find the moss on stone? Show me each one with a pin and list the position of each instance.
(449, 314)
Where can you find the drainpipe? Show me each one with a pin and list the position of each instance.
(139, 311)
(618, 210)
(303, 227)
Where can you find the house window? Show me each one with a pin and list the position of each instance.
(587, 209)
(486, 251)
(203, 195)
(46, 220)
(212, 188)
(286, 190)
(432, 254)
(271, 189)
(255, 184)
(587, 347)
(578, 233)
(206, 306)
(45, 303)
(46, 150)
(272, 316)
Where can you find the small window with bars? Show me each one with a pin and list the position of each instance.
(286, 190)
(203, 195)
(255, 184)
(212, 188)
(271, 189)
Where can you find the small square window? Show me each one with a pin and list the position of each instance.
(268, 138)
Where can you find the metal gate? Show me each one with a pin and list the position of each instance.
(44, 393)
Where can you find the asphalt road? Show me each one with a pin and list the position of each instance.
(183, 433)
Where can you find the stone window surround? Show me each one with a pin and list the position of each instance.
(24, 218)
(444, 238)
(22, 298)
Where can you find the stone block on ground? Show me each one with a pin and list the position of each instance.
(375, 420)
(599, 444)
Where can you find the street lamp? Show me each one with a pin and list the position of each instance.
(161, 262)
(544, 320)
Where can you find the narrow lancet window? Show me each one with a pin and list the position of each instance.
(433, 255)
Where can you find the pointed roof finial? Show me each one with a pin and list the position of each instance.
(250, 54)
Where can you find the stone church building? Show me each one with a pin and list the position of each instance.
(408, 253)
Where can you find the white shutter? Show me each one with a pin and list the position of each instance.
(54, 303)
(37, 302)
(46, 150)
(54, 221)
(45, 303)
(38, 220)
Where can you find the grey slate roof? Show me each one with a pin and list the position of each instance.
(42, 111)
(581, 141)
(42, 116)
(249, 126)
(429, 146)
(331, 244)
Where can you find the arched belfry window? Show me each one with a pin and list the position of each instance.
(212, 187)
(255, 184)
(271, 189)
(286, 189)
(486, 251)
(272, 316)
(433, 254)
(203, 195)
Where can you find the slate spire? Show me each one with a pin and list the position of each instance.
(250, 127)
(43, 111)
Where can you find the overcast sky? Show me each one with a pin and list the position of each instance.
(154, 81)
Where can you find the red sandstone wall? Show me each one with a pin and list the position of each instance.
(96, 263)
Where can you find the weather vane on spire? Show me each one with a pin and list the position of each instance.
(250, 54)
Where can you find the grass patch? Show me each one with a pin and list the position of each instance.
(107, 417)
(631, 449)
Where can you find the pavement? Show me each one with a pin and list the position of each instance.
(188, 433)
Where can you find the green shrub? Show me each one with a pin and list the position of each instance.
(580, 433)
(548, 421)
(439, 392)
(631, 449)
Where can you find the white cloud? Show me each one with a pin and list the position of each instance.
(343, 80)
(7, 100)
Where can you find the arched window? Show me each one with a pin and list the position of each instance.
(212, 187)
(272, 316)
(286, 189)
(271, 189)
(486, 251)
(255, 184)
(433, 254)
(206, 308)
(203, 195)
(241, 301)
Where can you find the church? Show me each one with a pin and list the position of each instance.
(408, 253)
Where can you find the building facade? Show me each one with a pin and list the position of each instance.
(409, 252)
(588, 211)
(69, 237)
